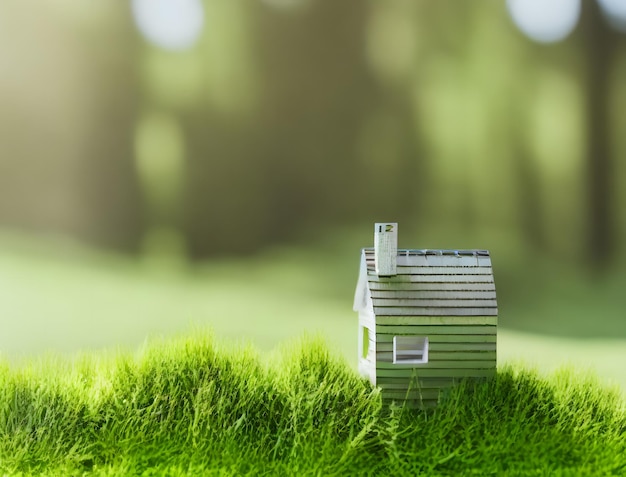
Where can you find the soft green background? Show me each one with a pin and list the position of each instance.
(231, 183)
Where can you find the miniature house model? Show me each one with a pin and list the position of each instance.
(427, 318)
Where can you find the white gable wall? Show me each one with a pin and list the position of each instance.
(364, 305)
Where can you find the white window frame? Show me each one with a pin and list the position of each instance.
(410, 349)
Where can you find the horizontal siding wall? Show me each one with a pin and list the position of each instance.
(382, 339)
(437, 330)
(435, 311)
(417, 391)
(407, 368)
(408, 373)
(458, 348)
(436, 356)
(436, 346)
(383, 320)
(395, 384)
(455, 347)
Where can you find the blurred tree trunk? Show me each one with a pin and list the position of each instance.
(413, 172)
(316, 89)
(600, 43)
(528, 184)
(289, 164)
(66, 122)
(528, 175)
(110, 186)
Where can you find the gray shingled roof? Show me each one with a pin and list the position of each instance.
(430, 283)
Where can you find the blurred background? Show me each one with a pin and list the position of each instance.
(166, 164)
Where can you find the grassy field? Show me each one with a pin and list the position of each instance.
(193, 406)
(77, 397)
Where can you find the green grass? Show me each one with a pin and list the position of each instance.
(194, 406)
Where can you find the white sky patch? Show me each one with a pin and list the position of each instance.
(545, 21)
(169, 24)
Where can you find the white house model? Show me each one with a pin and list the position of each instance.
(427, 318)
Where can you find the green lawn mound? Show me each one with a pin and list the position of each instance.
(195, 407)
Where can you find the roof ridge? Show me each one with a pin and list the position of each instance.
(435, 252)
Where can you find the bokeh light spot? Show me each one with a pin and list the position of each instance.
(159, 155)
(545, 21)
(615, 11)
(169, 24)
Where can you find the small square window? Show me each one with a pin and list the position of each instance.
(365, 343)
(410, 349)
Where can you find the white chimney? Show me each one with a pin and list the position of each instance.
(386, 248)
